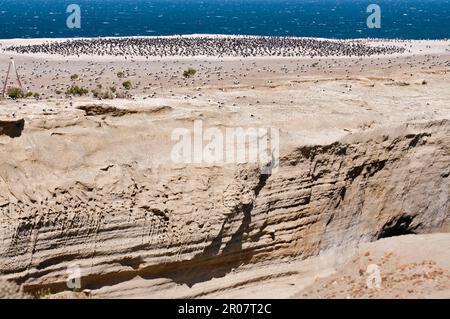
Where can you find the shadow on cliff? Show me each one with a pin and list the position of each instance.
(215, 261)
(13, 128)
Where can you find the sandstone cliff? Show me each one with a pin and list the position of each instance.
(81, 192)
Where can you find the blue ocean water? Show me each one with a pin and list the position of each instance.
(405, 19)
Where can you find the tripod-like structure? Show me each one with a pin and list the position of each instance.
(12, 66)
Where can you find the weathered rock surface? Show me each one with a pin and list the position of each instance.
(10, 290)
(102, 208)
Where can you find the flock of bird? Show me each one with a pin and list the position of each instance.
(241, 46)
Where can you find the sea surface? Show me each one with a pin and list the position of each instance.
(403, 19)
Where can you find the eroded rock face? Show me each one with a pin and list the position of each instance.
(191, 224)
(12, 128)
(9, 290)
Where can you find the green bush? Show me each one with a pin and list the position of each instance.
(76, 90)
(190, 72)
(126, 85)
(74, 77)
(120, 74)
(15, 93)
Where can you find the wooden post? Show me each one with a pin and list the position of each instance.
(13, 65)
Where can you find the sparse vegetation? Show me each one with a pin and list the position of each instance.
(103, 94)
(126, 85)
(74, 77)
(36, 95)
(120, 74)
(15, 93)
(77, 91)
(110, 93)
(41, 294)
(29, 94)
(190, 72)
